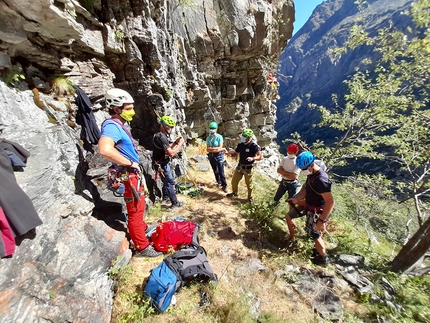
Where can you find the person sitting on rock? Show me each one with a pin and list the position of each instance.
(214, 147)
(249, 152)
(117, 145)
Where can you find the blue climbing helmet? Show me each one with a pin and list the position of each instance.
(304, 159)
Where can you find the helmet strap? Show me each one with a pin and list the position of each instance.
(165, 130)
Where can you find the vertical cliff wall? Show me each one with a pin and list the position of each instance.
(198, 60)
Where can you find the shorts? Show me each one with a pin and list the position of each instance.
(311, 220)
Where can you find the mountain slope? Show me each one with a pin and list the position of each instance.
(309, 73)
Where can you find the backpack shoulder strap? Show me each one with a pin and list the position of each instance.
(310, 185)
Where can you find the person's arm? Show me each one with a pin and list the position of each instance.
(107, 149)
(217, 149)
(328, 208)
(232, 153)
(258, 156)
(299, 197)
(175, 147)
(284, 173)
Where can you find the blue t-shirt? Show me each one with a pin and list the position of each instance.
(214, 141)
(122, 140)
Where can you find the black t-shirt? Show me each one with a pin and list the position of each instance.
(245, 151)
(315, 185)
(160, 143)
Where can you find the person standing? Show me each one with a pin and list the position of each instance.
(117, 145)
(319, 204)
(289, 172)
(249, 152)
(214, 144)
(163, 151)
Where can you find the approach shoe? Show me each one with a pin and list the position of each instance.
(231, 195)
(177, 204)
(148, 252)
(321, 260)
(315, 253)
(164, 201)
(224, 189)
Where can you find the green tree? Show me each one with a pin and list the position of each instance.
(386, 116)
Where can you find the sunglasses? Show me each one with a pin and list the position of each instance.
(304, 168)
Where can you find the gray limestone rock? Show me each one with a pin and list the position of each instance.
(313, 287)
(174, 59)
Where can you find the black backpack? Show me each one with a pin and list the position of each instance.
(191, 265)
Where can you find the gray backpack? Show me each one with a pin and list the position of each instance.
(190, 265)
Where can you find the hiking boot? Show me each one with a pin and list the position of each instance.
(177, 204)
(231, 195)
(315, 253)
(165, 200)
(224, 189)
(320, 260)
(250, 200)
(148, 252)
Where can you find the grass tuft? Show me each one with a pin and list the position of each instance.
(61, 86)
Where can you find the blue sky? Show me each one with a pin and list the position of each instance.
(304, 10)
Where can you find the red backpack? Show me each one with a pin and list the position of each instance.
(174, 234)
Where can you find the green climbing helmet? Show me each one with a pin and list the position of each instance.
(168, 121)
(248, 133)
(213, 125)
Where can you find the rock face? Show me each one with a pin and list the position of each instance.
(202, 62)
(207, 61)
(310, 73)
(61, 274)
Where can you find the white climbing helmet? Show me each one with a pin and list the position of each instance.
(117, 97)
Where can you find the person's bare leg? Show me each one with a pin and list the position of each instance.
(320, 246)
(291, 227)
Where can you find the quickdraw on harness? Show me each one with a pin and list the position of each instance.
(156, 164)
(118, 175)
(312, 216)
(115, 181)
(157, 169)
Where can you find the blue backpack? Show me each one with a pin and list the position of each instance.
(161, 286)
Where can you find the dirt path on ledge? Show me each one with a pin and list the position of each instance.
(230, 241)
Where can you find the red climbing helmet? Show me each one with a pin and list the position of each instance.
(292, 149)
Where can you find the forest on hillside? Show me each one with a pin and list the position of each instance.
(384, 117)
